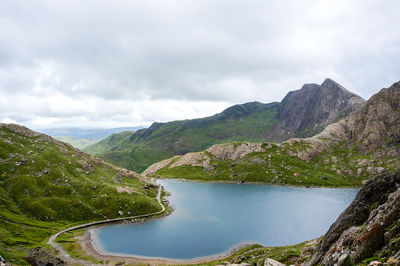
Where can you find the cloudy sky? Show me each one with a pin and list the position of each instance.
(92, 63)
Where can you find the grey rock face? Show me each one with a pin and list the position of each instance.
(305, 111)
(361, 228)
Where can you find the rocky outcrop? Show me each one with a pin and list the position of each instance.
(234, 151)
(157, 166)
(231, 151)
(271, 262)
(366, 226)
(374, 124)
(43, 257)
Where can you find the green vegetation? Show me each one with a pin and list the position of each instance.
(46, 186)
(278, 164)
(256, 254)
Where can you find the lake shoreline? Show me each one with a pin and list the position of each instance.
(252, 183)
(92, 246)
(88, 239)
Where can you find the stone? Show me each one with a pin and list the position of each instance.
(359, 171)
(42, 256)
(380, 170)
(363, 162)
(271, 262)
(375, 263)
(370, 169)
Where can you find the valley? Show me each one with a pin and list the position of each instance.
(48, 186)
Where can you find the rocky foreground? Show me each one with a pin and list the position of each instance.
(369, 227)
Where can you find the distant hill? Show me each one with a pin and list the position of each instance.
(365, 143)
(79, 143)
(47, 185)
(302, 113)
(81, 138)
(85, 133)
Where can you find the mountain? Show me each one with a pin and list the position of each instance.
(47, 185)
(301, 113)
(306, 111)
(346, 152)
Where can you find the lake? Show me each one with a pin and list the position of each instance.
(211, 218)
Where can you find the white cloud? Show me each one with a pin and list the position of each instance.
(131, 62)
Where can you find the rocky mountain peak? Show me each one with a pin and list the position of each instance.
(306, 110)
(375, 124)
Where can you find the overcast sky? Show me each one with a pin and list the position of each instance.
(92, 63)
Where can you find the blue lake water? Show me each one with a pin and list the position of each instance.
(211, 218)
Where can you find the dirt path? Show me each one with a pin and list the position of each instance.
(64, 255)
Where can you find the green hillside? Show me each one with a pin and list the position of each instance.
(47, 185)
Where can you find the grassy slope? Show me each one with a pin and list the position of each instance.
(44, 188)
(276, 166)
(179, 137)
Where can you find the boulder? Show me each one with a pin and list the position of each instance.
(364, 162)
(380, 170)
(359, 171)
(271, 262)
(375, 263)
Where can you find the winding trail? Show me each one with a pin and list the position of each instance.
(67, 258)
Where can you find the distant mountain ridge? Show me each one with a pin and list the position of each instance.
(84, 137)
(302, 113)
(85, 133)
